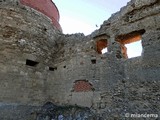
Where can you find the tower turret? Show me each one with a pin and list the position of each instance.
(46, 7)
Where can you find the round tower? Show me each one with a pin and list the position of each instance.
(46, 7)
(28, 38)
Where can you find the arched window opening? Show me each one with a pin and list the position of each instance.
(102, 46)
(101, 43)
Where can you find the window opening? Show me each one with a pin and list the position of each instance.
(101, 43)
(134, 49)
(131, 45)
(52, 68)
(102, 46)
(104, 50)
(93, 61)
(31, 63)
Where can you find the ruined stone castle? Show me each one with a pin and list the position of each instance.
(40, 67)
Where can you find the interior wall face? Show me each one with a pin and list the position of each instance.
(40, 64)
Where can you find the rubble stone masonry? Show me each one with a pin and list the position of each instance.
(39, 64)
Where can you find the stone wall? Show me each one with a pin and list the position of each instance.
(40, 64)
(23, 31)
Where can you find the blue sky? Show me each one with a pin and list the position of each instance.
(82, 16)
